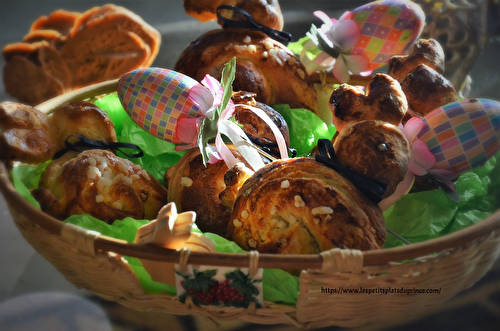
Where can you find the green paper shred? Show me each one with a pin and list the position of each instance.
(420, 216)
(304, 137)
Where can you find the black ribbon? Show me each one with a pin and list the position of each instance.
(371, 188)
(83, 143)
(280, 36)
(270, 148)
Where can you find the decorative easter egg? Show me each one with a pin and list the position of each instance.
(387, 27)
(462, 135)
(155, 98)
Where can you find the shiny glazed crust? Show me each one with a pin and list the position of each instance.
(264, 12)
(263, 66)
(196, 187)
(383, 100)
(376, 150)
(100, 184)
(301, 206)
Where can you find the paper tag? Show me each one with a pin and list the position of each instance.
(223, 286)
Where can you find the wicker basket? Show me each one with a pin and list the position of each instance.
(92, 261)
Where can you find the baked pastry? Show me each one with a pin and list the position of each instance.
(108, 41)
(67, 50)
(25, 134)
(81, 118)
(383, 100)
(300, 206)
(421, 74)
(264, 12)
(256, 128)
(192, 186)
(34, 72)
(101, 184)
(375, 149)
(426, 89)
(263, 66)
(424, 51)
(31, 136)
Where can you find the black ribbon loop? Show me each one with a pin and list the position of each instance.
(270, 148)
(280, 36)
(371, 188)
(84, 143)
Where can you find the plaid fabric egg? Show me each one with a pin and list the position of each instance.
(155, 98)
(462, 135)
(388, 27)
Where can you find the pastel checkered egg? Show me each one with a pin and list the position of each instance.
(155, 98)
(388, 27)
(462, 135)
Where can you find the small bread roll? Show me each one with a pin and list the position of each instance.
(383, 100)
(192, 186)
(81, 118)
(101, 184)
(264, 66)
(25, 134)
(424, 51)
(376, 150)
(426, 89)
(31, 136)
(300, 206)
(264, 12)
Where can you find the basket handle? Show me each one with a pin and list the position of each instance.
(80, 238)
(342, 260)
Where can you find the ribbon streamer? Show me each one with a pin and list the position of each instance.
(84, 143)
(371, 188)
(280, 36)
(269, 148)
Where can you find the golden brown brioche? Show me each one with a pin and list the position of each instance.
(383, 100)
(81, 118)
(31, 136)
(192, 186)
(263, 66)
(376, 150)
(101, 184)
(426, 89)
(25, 134)
(300, 206)
(264, 12)
(424, 51)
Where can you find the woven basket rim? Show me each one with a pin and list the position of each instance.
(266, 260)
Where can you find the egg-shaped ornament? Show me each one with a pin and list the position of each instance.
(156, 98)
(462, 135)
(387, 28)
